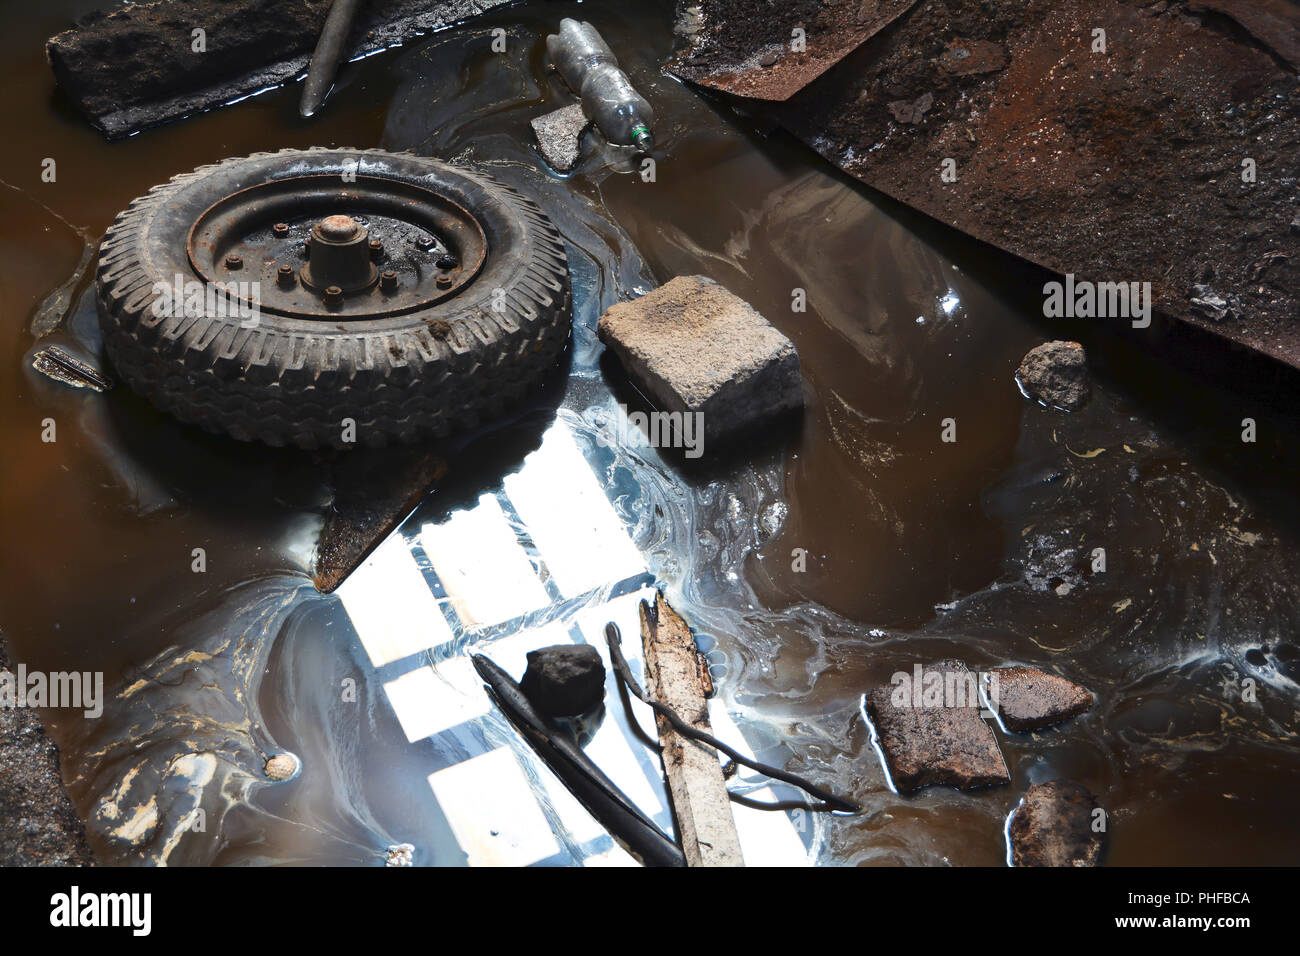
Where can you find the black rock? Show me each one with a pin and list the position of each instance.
(564, 680)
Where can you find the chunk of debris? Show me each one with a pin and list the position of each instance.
(701, 805)
(1208, 303)
(373, 493)
(564, 680)
(282, 766)
(972, 57)
(1028, 699)
(929, 729)
(694, 347)
(912, 111)
(402, 854)
(559, 136)
(1054, 826)
(65, 368)
(1056, 374)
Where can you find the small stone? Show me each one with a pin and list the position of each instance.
(282, 766)
(559, 136)
(564, 680)
(1029, 699)
(403, 854)
(694, 347)
(927, 742)
(912, 111)
(1053, 826)
(768, 59)
(1056, 374)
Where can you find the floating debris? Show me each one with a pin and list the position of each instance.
(60, 365)
(283, 766)
(403, 854)
(1056, 374)
(1029, 699)
(1056, 824)
(559, 136)
(929, 729)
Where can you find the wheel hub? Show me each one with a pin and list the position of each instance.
(317, 247)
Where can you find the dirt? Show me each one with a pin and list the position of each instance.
(38, 826)
(1118, 166)
(754, 53)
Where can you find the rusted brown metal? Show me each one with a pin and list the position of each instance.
(773, 53)
(348, 232)
(1169, 153)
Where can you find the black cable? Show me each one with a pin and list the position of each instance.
(615, 641)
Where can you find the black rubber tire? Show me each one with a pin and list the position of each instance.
(292, 381)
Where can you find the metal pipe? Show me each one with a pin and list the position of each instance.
(325, 58)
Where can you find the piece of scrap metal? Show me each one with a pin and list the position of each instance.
(62, 366)
(374, 491)
(1158, 155)
(773, 53)
(325, 58)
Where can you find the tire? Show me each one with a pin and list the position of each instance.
(294, 380)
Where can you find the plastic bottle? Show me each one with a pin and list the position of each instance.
(609, 99)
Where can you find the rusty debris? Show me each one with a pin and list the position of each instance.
(775, 54)
(1164, 150)
(62, 366)
(372, 494)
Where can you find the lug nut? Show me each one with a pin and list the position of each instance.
(281, 229)
(443, 281)
(234, 262)
(446, 262)
(388, 280)
(425, 243)
(284, 275)
(333, 296)
(376, 249)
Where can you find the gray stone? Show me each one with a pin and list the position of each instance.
(1056, 374)
(1029, 699)
(928, 743)
(564, 680)
(692, 346)
(1053, 826)
(38, 825)
(559, 136)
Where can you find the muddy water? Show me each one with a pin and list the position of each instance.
(914, 548)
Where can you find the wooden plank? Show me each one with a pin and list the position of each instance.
(699, 794)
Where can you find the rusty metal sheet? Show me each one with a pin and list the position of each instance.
(735, 48)
(1274, 23)
(1171, 157)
